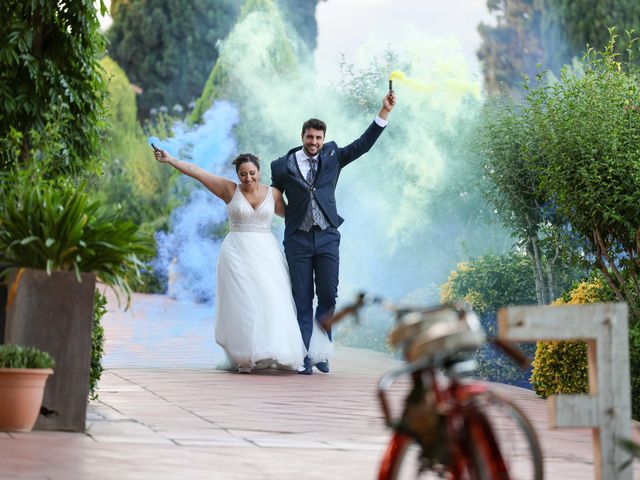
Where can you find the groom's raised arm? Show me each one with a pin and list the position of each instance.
(362, 145)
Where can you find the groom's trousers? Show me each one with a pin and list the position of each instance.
(313, 259)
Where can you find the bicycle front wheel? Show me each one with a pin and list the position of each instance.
(502, 424)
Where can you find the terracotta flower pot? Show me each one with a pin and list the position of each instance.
(21, 391)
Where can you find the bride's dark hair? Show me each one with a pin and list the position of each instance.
(244, 158)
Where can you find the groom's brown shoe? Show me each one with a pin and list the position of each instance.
(323, 366)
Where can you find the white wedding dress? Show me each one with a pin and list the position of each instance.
(256, 320)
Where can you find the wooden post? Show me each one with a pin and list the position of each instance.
(607, 407)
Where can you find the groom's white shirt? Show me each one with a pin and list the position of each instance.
(303, 161)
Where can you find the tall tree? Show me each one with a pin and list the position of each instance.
(302, 16)
(51, 87)
(567, 27)
(168, 47)
(512, 47)
(511, 146)
(132, 182)
(548, 32)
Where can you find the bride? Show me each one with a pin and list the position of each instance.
(256, 322)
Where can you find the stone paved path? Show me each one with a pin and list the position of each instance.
(165, 413)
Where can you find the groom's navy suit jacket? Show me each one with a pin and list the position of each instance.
(331, 160)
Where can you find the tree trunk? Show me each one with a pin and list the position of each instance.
(538, 273)
(551, 285)
(622, 290)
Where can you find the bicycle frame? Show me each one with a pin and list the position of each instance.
(465, 424)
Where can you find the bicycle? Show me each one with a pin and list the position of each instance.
(449, 427)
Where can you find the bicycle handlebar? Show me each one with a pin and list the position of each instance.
(363, 299)
(509, 348)
(344, 312)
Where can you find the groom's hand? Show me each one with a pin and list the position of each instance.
(389, 101)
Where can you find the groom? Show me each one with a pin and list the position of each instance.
(308, 176)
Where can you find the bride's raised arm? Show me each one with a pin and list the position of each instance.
(219, 186)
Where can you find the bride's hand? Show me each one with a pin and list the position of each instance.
(162, 156)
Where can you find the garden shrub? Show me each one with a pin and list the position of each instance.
(560, 367)
(50, 80)
(488, 283)
(97, 343)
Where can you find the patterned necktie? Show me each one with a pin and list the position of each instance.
(311, 174)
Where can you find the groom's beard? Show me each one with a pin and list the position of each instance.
(310, 154)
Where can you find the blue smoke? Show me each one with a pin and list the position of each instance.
(187, 254)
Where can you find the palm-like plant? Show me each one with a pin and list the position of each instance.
(55, 226)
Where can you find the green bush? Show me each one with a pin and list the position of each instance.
(15, 356)
(50, 79)
(97, 343)
(560, 367)
(132, 182)
(488, 283)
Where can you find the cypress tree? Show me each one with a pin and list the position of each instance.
(550, 33)
(168, 47)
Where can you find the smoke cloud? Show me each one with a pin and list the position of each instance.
(412, 207)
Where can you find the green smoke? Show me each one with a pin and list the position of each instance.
(413, 205)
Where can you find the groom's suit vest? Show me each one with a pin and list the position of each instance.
(330, 162)
(314, 215)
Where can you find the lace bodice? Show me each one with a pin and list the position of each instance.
(243, 217)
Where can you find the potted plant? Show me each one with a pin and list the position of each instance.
(23, 374)
(57, 241)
